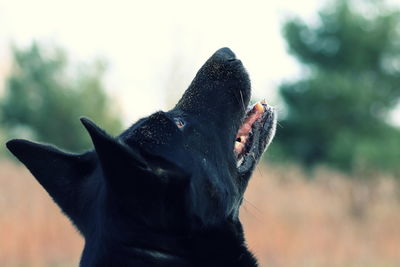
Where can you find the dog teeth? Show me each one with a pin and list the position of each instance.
(241, 139)
(259, 107)
(239, 162)
(238, 147)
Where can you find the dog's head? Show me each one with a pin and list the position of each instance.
(181, 169)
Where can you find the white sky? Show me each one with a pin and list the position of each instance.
(151, 43)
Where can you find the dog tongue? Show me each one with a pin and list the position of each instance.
(254, 114)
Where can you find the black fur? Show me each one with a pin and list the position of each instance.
(158, 194)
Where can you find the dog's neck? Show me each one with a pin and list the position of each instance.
(220, 246)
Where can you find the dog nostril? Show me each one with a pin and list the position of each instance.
(179, 123)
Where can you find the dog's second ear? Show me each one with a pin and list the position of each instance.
(131, 168)
(60, 173)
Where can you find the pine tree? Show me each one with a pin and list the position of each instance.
(45, 96)
(337, 115)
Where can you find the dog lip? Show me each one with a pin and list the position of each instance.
(259, 137)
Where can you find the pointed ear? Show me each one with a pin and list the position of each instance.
(130, 164)
(113, 156)
(60, 173)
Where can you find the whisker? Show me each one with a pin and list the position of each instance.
(251, 204)
(257, 217)
(258, 168)
(241, 96)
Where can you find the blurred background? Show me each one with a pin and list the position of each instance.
(327, 192)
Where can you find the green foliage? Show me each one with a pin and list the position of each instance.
(45, 97)
(337, 115)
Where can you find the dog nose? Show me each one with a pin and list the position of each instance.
(225, 54)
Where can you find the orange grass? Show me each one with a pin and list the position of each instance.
(288, 220)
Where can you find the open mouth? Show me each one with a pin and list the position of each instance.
(254, 135)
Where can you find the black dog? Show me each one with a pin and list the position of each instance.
(167, 191)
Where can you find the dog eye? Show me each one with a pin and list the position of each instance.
(179, 123)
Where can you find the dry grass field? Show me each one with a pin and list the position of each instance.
(289, 220)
